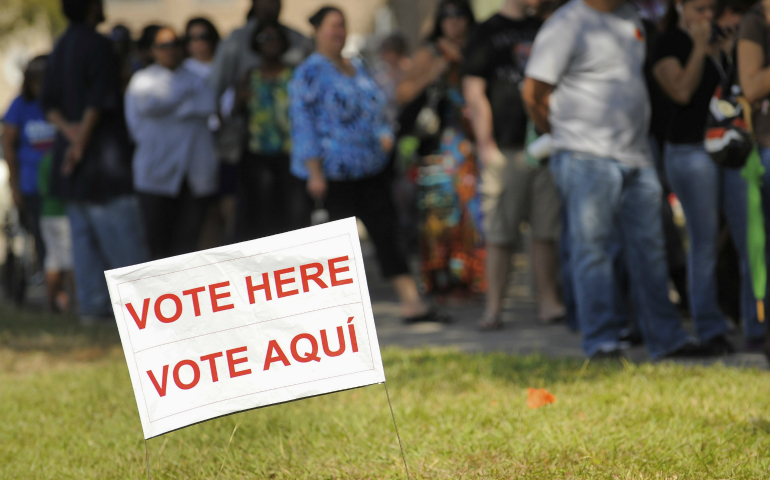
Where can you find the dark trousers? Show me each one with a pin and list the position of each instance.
(173, 224)
(270, 199)
(371, 201)
(30, 220)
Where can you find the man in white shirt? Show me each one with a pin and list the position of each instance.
(585, 85)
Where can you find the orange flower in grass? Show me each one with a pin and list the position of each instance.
(538, 397)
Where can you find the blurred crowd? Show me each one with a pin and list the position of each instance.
(583, 126)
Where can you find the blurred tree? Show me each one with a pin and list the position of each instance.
(17, 15)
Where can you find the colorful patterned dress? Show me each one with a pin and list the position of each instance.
(269, 130)
(451, 242)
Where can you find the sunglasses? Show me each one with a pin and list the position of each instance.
(168, 45)
(267, 37)
(202, 36)
(451, 13)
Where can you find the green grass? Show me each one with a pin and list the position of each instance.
(460, 416)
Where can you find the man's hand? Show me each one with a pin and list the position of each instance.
(489, 153)
(71, 132)
(72, 158)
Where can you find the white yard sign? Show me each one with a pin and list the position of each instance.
(248, 325)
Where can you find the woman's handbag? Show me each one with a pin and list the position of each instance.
(728, 133)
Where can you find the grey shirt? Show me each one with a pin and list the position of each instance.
(595, 60)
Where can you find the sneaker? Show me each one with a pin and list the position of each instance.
(720, 345)
(754, 345)
(612, 354)
(689, 350)
(631, 336)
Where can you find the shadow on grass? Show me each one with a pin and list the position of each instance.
(461, 371)
(29, 330)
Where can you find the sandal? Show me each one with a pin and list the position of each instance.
(490, 324)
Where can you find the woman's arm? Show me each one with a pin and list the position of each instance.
(10, 140)
(679, 82)
(306, 143)
(426, 69)
(754, 79)
(153, 94)
(316, 180)
(200, 101)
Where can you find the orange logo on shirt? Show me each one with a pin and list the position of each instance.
(639, 35)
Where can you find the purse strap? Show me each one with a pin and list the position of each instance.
(746, 113)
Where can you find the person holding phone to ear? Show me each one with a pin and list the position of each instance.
(688, 65)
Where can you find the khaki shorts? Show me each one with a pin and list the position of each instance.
(57, 238)
(513, 192)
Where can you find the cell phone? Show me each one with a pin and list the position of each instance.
(717, 33)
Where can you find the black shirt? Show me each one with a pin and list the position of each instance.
(660, 103)
(83, 71)
(687, 123)
(498, 52)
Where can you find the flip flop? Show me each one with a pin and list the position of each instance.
(490, 324)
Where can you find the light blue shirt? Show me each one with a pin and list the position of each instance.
(167, 113)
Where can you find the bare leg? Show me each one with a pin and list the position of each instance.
(227, 206)
(497, 268)
(67, 295)
(406, 289)
(544, 266)
(53, 285)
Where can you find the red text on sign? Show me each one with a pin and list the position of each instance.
(304, 347)
(232, 361)
(216, 294)
(309, 274)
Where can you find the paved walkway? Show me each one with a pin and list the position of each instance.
(522, 334)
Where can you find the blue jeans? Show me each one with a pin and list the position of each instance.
(610, 205)
(623, 305)
(703, 188)
(104, 236)
(568, 291)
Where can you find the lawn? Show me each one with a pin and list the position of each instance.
(67, 411)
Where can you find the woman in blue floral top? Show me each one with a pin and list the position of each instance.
(341, 143)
